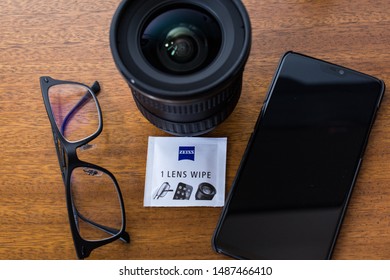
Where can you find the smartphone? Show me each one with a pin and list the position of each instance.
(296, 176)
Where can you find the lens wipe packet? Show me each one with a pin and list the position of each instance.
(185, 171)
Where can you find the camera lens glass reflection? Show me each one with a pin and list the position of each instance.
(180, 40)
(206, 190)
(181, 45)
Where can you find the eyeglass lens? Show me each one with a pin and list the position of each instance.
(96, 204)
(74, 110)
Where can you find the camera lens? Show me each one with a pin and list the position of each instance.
(205, 191)
(182, 59)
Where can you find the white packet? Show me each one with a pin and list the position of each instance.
(185, 171)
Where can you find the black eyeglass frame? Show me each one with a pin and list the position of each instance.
(68, 161)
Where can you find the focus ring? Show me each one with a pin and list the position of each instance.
(191, 111)
(190, 128)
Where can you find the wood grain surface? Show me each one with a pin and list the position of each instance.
(69, 40)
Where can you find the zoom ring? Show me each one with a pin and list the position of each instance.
(192, 128)
(190, 111)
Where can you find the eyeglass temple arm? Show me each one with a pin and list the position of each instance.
(95, 89)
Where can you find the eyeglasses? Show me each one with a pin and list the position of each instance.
(94, 200)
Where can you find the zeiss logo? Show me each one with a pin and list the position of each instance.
(187, 153)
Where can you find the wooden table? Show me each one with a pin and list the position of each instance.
(69, 40)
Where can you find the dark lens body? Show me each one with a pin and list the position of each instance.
(182, 59)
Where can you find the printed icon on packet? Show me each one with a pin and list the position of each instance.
(183, 191)
(162, 190)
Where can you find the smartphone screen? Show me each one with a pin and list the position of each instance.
(294, 182)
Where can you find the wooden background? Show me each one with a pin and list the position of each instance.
(68, 39)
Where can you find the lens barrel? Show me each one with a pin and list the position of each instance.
(183, 59)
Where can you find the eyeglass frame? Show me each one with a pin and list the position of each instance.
(83, 247)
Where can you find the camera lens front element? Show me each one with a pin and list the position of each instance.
(180, 40)
(181, 45)
(183, 51)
